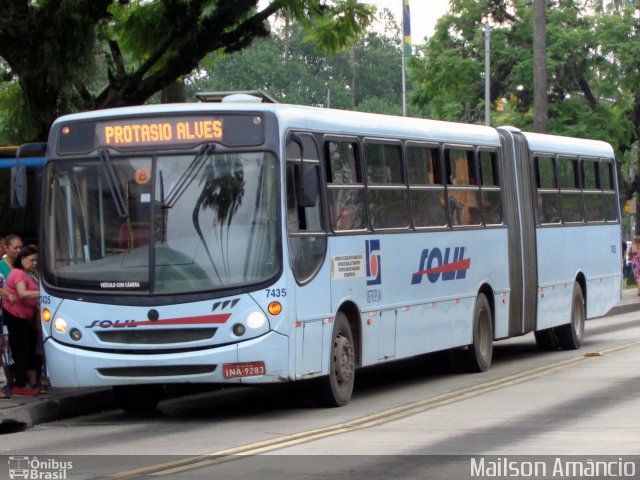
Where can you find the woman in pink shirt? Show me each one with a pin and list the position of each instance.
(20, 318)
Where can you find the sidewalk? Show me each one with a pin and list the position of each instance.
(19, 413)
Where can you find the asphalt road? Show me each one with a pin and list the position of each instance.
(413, 419)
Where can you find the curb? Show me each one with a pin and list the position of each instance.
(44, 409)
(624, 308)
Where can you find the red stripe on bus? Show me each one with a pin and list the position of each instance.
(448, 267)
(221, 318)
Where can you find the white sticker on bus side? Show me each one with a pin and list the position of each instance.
(347, 266)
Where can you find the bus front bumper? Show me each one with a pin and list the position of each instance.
(74, 367)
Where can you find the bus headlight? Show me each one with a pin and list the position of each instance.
(256, 320)
(75, 334)
(60, 324)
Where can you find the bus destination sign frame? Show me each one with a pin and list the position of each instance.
(161, 132)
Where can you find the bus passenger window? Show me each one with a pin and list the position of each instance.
(569, 179)
(342, 165)
(460, 167)
(610, 201)
(548, 193)
(387, 190)
(491, 195)
(463, 193)
(426, 191)
(591, 191)
(345, 191)
(545, 173)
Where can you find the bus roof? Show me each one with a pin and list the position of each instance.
(542, 143)
(333, 121)
(345, 122)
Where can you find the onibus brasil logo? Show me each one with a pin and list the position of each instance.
(38, 469)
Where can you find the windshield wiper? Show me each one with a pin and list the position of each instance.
(113, 180)
(188, 176)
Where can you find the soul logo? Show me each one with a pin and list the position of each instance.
(434, 263)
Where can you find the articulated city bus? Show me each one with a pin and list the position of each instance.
(240, 242)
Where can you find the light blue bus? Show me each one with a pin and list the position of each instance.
(243, 242)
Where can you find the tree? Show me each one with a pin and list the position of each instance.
(593, 70)
(290, 67)
(60, 56)
(448, 76)
(540, 110)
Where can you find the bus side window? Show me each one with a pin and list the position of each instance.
(548, 193)
(345, 190)
(307, 236)
(609, 199)
(490, 182)
(426, 191)
(386, 185)
(570, 193)
(591, 190)
(463, 193)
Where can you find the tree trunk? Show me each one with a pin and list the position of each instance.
(540, 106)
(174, 93)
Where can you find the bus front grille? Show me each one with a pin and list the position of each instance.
(156, 337)
(161, 371)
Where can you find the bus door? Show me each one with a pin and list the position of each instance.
(307, 241)
(519, 203)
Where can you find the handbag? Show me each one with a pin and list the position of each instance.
(6, 358)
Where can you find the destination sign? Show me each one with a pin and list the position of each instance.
(149, 132)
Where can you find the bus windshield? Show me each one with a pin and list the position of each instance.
(161, 224)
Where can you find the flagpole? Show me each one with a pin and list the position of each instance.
(406, 50)
(404, 89)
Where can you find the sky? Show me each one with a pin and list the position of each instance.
(424, 14)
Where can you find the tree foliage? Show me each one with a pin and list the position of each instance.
(593, 71)
(585, 67)
(291, 67)
(59, 56)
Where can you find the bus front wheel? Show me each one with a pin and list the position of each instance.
(137, 398)
(335, 389)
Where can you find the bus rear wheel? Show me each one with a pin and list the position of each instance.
(477, 357)
(571, 335)
(137, 398)
(335, 389)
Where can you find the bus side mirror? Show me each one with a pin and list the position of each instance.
(18, 187)
(19, 174)
(306, 184)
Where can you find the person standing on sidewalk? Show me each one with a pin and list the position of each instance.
(20, 319)
(5, 296)
(12, 244)
(634, 255)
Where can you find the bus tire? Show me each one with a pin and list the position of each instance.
(571, 335)
(335, 389)
(477, 357)
(137, 398)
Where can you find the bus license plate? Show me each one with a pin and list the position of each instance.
(249, 369)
